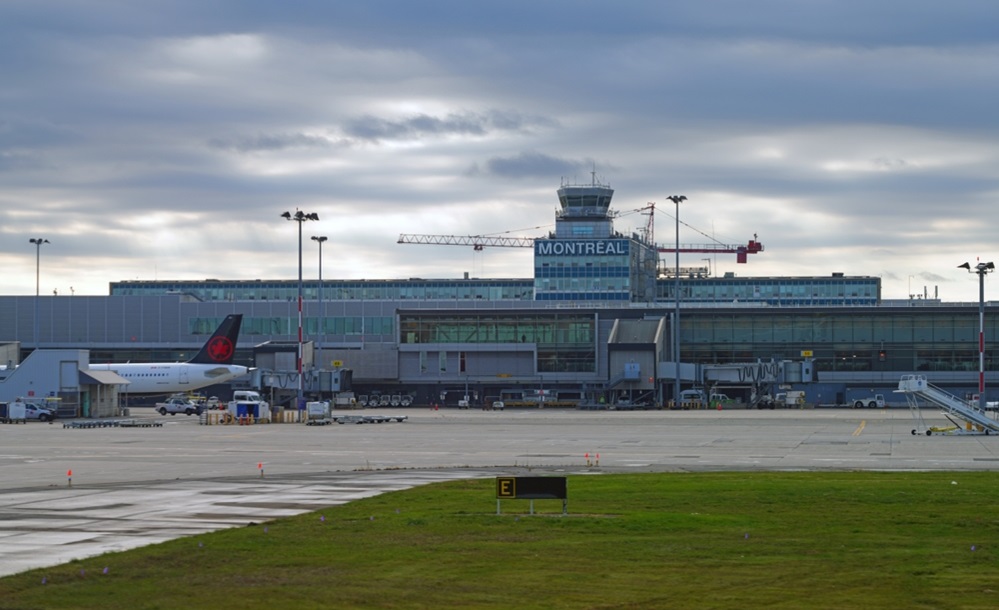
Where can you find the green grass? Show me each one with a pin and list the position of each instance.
(706, 540)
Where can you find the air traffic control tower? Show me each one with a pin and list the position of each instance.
(585, 260)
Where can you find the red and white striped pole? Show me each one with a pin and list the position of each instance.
(981, 335)
(981, 269)
(981, 346)
(301, 379)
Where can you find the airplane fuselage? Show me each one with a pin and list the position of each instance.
(160, 377)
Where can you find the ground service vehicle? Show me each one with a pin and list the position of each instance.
(178, 404)
(692, 396)
(790, 399)
(12, 413)
(700, 396)
(876, 401)
(33, 411)
(247, 403)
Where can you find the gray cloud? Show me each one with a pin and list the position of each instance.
(372, 128)
(269, 142)
(163, 140)
(534, 164)
(460, 124)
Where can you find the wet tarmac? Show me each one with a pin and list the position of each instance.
(71, 493)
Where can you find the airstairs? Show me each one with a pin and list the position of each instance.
(916, 386)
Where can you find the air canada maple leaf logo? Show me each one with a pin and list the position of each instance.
(220, 349)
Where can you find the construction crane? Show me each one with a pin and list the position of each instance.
(479, 242)
(741, 251)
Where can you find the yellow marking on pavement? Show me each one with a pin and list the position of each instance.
(860, 428)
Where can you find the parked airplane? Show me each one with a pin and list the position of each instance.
(213, 364)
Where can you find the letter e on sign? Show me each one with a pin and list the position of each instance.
(506, 487)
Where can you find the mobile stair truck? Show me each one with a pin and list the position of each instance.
(975, 420)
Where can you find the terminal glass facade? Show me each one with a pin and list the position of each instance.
(802, 291)
(582, 278)
(565, 342)
(616, 270)
(865, 340)
(333, 290)
(334, 327)
(614, 278)
(844, 340)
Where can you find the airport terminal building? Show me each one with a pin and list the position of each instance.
(597, 323)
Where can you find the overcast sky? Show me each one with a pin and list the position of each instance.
(163, 139)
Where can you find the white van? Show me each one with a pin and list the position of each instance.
(692, 396)
(699, 396)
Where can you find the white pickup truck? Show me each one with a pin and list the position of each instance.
(178, 404)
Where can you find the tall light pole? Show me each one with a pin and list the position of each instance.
(299, 216)
(38, 241)
(321, 239)
(981, 269)
(676, 199)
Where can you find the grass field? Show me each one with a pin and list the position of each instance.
(709, 540)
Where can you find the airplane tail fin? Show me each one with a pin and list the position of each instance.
(221, 347)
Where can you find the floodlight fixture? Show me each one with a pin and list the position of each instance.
(300, 217)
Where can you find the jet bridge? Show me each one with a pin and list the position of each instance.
(762, 378)
(916, 386)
